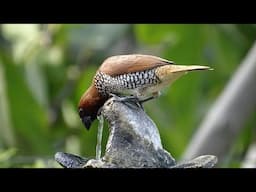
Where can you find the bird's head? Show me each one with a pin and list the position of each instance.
(89, 105)
(86, 116)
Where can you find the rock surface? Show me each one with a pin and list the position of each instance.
(134, 142)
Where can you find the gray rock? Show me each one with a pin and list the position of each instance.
(134, 142)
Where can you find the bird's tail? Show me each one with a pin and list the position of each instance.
(173, 72)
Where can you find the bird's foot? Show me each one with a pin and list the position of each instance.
(128, 99)
(154, 96)
(147, 99)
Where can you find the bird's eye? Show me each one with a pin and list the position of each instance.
(81, 112)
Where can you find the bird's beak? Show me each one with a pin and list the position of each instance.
(87, 121)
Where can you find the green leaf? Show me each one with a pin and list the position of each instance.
(28, 117)
(6, 128)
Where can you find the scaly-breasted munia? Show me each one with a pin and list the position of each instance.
(141, 76)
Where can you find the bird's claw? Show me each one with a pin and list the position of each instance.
(128, 99)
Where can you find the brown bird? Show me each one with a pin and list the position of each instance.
(136, 75)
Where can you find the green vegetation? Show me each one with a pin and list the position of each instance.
(44, 69)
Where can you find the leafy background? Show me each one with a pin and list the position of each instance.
(44, 69)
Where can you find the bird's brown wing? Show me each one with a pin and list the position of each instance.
(122, 64)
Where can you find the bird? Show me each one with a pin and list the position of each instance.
(137, 76)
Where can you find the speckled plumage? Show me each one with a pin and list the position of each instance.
(125, 84)
(141, 76)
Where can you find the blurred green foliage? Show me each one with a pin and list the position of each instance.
(44, 69)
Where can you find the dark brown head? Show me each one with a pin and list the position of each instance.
(89, 105)
(86, 117)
